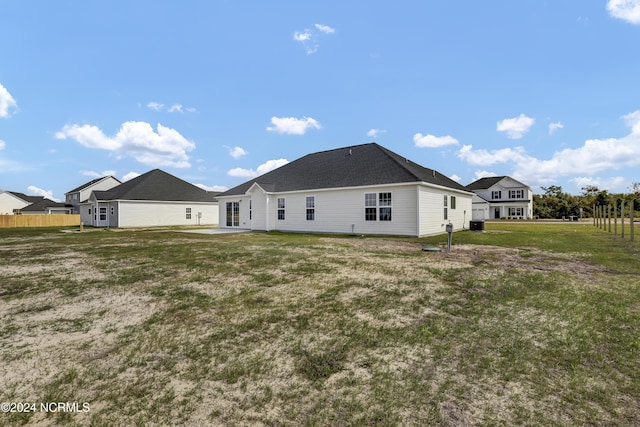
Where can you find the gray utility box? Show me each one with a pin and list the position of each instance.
(476, 225)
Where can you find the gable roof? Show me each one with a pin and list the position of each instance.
(156, 185)
(94, 181)
(485, 183)
(24, 197)
(355, 166)
(490, 181)
(43, 204)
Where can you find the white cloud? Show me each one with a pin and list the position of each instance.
(217, 188)
(455, 177)
(236, 152)
(484, 174)
(431, 141)
(303, 36)
(627, 10)
(175, 108)
(155, 106)
(166, 147)
(593, 157)
(325, 29)
(553, 127)
(292, 125)
(129, 176)
(95, 174)
(374, 133)
(601, 183)
(309, 37)
(482, 157)
(7, 103)
(35, 191)
(268, 166)
(2, 144)
(515, 127)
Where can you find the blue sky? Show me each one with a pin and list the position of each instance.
(218, 91)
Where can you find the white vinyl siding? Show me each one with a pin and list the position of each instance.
(343, 210)
(148, 214)
(339, 209)
(431, 207)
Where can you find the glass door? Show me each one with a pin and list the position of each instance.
(233, 214)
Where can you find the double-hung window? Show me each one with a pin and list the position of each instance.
(281, 208)
(446, 210)
(188, 213)
(377, 206)
(516, 194)
(311, 208)
(384, 202)
(496, 194)
(370, 206)
(516, 212)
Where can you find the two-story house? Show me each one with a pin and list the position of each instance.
(499, 197)
(80, 194)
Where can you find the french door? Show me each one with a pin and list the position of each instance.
(233, 214)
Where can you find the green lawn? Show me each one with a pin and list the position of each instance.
(525, 324)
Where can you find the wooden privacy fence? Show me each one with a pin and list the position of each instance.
(39, 220)
(604, 215)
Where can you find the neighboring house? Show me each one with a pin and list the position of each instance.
(363, 189)
(12, 202)
(80, 194)
(46, 206)
(499, 197)
(155, 198)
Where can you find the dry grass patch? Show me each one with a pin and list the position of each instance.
(276, 329)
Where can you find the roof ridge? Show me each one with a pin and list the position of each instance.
(387, 153)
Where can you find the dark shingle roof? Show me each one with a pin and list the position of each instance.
(156, 185)
(484, 183)
(85, 185)
(29, 199)
(43, 204)
(360, 165)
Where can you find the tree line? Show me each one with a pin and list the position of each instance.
(555, 203)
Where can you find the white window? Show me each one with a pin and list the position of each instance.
(453, 202)
(188, 213)
(516, 194)
(311, 208)
(377, 206)
(103, 214)
(516, 211)
(446, 210)
(496, 194)
(280, 208)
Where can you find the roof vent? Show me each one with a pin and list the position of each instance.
(349, 151)
(433, 172)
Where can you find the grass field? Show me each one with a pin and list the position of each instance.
(525, 324)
